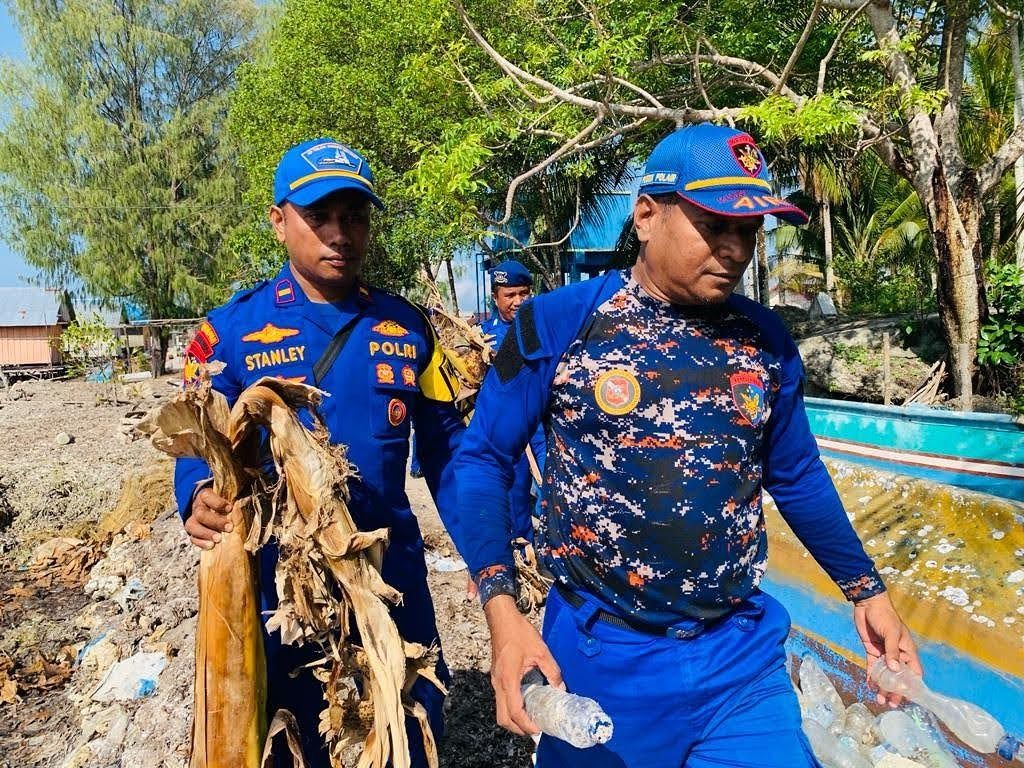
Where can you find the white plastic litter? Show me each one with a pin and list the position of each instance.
(131, 678)
(443, 564)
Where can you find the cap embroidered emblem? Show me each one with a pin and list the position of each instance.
(270, 334)
(332, 156)
(617, 391)
(748, 396)
(747, 155)
(408, 376)
(396, 412)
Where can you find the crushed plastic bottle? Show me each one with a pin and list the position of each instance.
(912, 741)
(830, 750)
(823, 703)
(574, 719)
(970, 723)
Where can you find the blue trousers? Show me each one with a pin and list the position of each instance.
(404, 569)
(718, 696)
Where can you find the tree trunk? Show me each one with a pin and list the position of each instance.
(762, 269)
(961, 303)
(826, 221)
(451, 284)
(1018, 115)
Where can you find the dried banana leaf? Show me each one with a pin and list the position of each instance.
(328, 573)
(468, 348)
(229, 726)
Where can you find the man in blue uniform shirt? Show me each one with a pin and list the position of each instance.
(511, 287)
(668, 404)
(377, 357)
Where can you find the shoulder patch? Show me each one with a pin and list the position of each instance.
(526, 329)
(199, 351)
(509, 361)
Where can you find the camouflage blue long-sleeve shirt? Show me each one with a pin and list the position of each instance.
(663, 424)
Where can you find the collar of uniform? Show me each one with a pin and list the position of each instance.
(288, 292)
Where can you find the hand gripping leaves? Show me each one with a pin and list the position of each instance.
(328, 574)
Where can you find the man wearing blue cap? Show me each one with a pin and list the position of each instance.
(669, 404)
(511, 286)
(377, 356)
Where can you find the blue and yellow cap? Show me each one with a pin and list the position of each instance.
(716, 168)
(316, 168)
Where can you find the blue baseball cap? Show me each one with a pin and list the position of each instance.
(510, 274)
(316, 168)
(716, 168)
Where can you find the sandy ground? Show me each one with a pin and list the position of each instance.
(66, 619)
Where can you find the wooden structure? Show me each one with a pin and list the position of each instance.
(30, 320)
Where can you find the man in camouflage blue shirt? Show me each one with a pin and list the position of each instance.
(668, 403)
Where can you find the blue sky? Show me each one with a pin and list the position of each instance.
(13, 271)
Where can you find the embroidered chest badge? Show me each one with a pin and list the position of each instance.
(748, 396)
(389, 328)
(617, 391)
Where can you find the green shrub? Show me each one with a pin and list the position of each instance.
(1001, 345)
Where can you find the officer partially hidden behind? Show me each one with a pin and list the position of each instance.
(511, 287)
(377, 357)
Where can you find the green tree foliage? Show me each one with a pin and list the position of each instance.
(843, 76)
(113, 174)
(443, 132)
(881, 244)
(1001, 347)
(366, 74)
(85, 341)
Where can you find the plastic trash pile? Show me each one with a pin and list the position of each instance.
(853, 737)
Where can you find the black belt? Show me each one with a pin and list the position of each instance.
(576, 600)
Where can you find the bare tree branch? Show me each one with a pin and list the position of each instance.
(679, 116)
(563, 150)
(951, 79)
(823, 66)
(1002, 9)
(991, 172)
(799, 47)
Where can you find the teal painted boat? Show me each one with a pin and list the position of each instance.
(980, 451)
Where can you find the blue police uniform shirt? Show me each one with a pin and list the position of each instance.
(375, 388)
(664, 423)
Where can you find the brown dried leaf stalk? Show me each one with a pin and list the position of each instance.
(465, 345)
(229, 725)
(329, 571)
(533, 584)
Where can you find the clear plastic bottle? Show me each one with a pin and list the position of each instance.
(830, 750)
(860, 725)
(823, 703)
(574, 719)
(970, 723)
(912, 741)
